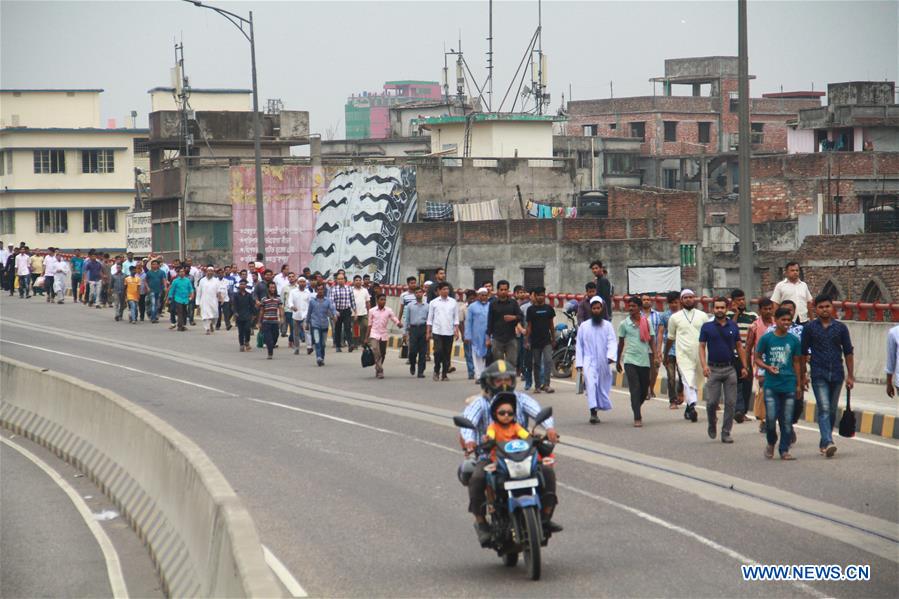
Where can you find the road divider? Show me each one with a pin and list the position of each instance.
(198, 532)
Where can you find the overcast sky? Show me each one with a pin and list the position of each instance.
(313, 55)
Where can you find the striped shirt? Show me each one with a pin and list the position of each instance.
(342, 297)
(270, 307)
(478, 412)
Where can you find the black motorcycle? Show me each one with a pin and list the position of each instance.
(514, 495)
(565, 347)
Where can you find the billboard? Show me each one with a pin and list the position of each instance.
(138, 233)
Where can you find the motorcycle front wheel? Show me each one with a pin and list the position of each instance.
(532, 542)
(563, 362)
(510, 560)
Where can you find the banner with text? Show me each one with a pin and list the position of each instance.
(138, 233)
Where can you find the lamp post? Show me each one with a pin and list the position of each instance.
(245, 26)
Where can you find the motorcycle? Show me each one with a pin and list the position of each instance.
(565, 348)
(514, 492)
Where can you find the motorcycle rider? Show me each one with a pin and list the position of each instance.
(500, 376)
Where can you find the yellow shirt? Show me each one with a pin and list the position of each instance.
(37, 265)
(132, 288)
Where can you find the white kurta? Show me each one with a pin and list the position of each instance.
(596, 345)
(683, 329)
(207, 298)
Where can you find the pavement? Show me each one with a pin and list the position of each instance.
(351, 480)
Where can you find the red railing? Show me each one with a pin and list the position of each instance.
(860, 311)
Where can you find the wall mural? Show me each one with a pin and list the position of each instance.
(358, 222)
(289, 193)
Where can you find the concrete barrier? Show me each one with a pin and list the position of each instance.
(200, 536)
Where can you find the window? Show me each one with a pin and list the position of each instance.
(830, 290)
(613, 126)
(669, 178)
(2, 163)
(7, 222)
(591, 130)
(619, 163)
(872, 294)
(9, 162)
(50, 220)
(481, 276)
(670, 130)
(97, 161)
(49, 161)
(165, 237)
(705, 133)
(101, 220)
(638, 129)
(758, 133)
(533, 277)
(583, 159)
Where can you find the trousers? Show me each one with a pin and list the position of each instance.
(443, 348)
(721, 378)
(637, 386)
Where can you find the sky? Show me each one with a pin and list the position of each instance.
(312, 55)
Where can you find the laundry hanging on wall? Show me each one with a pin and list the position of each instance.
(537, 210)
(437, 211)
(488, 210)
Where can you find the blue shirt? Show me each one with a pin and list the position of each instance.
(319, 313)
(181, 289)
(664, 317)
(893, 353)
(828, 345)
(779, 352)
(77, 265)
(416, 314)
(720, 340)
(476, 327)
(93, 269)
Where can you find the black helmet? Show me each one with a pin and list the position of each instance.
(497, 370)
(466, 469)
(501, 398)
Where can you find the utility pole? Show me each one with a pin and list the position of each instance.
(745, 148)
(490, 61)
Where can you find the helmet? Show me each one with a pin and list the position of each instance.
(571, 306)
(503, 397)
(498, 370)
(466, 469)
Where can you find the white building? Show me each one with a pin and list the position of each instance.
(492, 135)
(64, 181)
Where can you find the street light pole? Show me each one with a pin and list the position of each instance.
(747, 279)
(240, 22)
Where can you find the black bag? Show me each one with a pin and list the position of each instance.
(488, 357)
(847, 422)
(368, 357)
(404, 351)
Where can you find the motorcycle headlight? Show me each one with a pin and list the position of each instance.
(518, 469)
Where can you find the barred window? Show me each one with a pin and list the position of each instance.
(49, 220)
(7, 222)
(97, 161)
(101, 220)
(49, 161)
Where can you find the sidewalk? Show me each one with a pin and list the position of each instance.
(875, 413)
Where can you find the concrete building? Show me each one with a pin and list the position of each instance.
(64, 181)
(367, 114)
(492, 135)
(679, 133)
(602, 162)
(190, 174)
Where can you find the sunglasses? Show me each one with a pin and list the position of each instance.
(505, 413)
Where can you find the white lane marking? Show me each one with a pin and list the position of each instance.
(110, 556)
(290, 583)
(631, 510)
(121, 367)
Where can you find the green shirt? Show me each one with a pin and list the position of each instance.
(779, 352)
(635, 352)
(180, 290)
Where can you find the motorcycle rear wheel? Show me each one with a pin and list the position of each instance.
(532, 542)
(563, 363)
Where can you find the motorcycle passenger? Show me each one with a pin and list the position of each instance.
(504, 428)
(498, 377)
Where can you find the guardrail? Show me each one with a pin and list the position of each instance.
(198, 532)
(861, 311)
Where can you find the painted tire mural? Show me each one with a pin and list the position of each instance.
(358, 223)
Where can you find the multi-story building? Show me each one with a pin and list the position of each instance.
(680, 132)
(368, 113)
(64, 181)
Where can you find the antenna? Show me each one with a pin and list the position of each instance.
(490, 60)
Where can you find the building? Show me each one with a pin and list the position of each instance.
(602, 162)
(492, 135)
(194, 155)
(65, 181)
(690, 141)
(367, 114)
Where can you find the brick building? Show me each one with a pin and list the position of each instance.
(679, 133)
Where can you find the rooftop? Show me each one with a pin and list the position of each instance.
(809, 95)
(72, 130)
(491, 117)
(204, 90)
(411, 82)
(52, 91)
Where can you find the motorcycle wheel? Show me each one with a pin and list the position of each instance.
(563, 362)
(510, 560)
(532, 543)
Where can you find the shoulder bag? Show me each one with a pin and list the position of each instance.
(847, 422)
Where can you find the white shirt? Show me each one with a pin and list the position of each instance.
(298, 302)
(892, 368)
(4, 256)
(50, 263)
(443, 316)
(361, 297)
(62, 268)
(224, 286)
(281, 282)
(796, 292)
(23, 264)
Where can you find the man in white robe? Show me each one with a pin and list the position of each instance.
(208, 299)
(597, 350)
(683, 331)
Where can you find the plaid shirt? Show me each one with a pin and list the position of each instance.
(342, 297)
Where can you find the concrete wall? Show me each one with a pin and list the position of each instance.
(50, 109)
(870, 342)
(497, 139)
(238, 100)
(198, 532)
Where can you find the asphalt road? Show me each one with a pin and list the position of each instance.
(351, 480)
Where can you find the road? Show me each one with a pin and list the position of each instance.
(351, 480)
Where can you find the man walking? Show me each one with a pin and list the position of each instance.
(756, 332)
(792, 288)
(298, 304)
(208, 299)
(416, 327)
(719, 339)
(825, 344)
(653, 317)
(539, 338)
(244, 312)
(603, 287)
(476, 331)
(362, 304)
(49, 265)
(892, 368)
(132, 294)
(780, 355)
(376, 335)
(743, 318)
(636, 349)
(157, 284)
(117, 290)
(597, 350)
(683, 333)
(470, 297)
(502, 323)
(77, 266)
(181, 293)
(23, 272)
(344, 303)
(434, 290)
(443, 326)
(320, 314)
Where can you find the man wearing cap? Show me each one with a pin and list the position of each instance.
(476, 330)
(298, 303)
(208, 299)
(683, 332)
(597, 350)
